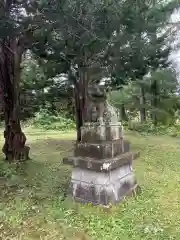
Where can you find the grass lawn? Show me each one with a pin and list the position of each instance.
(32, 204)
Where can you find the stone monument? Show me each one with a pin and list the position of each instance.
(102, 163)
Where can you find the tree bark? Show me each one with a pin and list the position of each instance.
(123, 113)
(78, 112)
(155, 101)
(142, 105)
(10, 60)
(80, 98)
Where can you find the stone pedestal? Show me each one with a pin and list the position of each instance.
(102, 165)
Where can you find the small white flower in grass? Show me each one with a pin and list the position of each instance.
(146, 230)
(152, 229)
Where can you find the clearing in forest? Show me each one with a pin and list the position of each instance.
(33, 203)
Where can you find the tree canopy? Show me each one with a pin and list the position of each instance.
(86, 41)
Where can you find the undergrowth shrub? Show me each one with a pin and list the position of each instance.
(149, 128)
(7, 170)
(57, 121)
(10, 174)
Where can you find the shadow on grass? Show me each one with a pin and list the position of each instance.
(29, 211)
(44, 175)
(51, 147)
(36, 210)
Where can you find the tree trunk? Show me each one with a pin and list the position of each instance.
(80, 97)
(78, 112)
(123, 113)
(10, 60)
(154, 103)
(142, 105)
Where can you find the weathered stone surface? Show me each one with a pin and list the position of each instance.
(102, 162)
(105, 149)
(102, 188)
(100, 165)
(94, 133)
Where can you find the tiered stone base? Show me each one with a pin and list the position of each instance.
(102, 188)
(102, 166)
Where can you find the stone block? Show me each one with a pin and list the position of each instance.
(95, 133)
(102, 188)
(125, 146)
(105, 149)
(104, 165)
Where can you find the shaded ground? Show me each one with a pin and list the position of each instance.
(33, 205)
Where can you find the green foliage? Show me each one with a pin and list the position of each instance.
(65, 34)
(141, 47)
(9, 177)
(80, 33)
(149, 128)
(40, 89)
(57, 121)
(32, 75)
(6, 170)
(167, 101)
(163, 95)
(128, 96)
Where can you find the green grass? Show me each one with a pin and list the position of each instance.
(32, 204)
